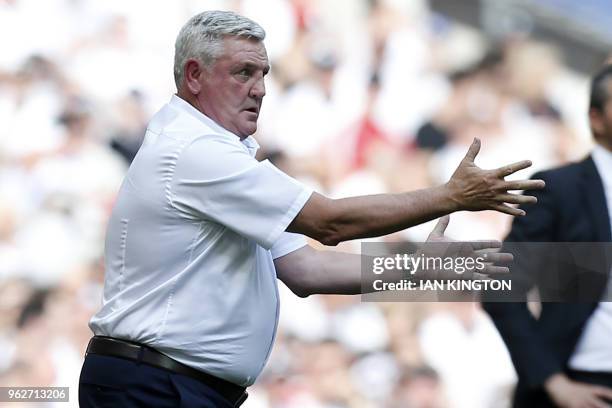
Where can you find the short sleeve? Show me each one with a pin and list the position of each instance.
(216, 178)
(287, 243)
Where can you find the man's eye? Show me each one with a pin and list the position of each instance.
(244, 73)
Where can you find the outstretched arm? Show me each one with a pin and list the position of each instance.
(470, 188)
(308, 271)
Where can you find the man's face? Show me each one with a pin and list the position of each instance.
(232, 89)
(601, 121)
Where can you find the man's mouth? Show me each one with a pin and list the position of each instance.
(254, 110)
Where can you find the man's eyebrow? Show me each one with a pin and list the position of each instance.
(251, 65)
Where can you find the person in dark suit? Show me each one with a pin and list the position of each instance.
(564, 358)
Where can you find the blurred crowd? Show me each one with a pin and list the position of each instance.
(364, 96)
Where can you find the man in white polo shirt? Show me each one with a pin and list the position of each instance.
(201, 230)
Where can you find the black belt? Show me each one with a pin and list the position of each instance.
(109, 346)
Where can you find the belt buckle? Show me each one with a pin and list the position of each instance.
(241, 400)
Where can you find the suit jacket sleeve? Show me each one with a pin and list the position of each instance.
(533, 360)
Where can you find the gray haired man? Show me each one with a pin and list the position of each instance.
(201, 231)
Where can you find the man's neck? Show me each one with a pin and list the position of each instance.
(190, 99)
(193, 101)
(606, 146)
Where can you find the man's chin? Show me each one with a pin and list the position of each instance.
(247, 130)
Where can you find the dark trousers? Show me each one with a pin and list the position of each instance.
(598, 378)
(115, 382)
(539, 398)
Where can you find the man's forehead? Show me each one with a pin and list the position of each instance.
(249, 50)
(609, 90)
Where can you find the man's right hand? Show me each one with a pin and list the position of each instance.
(566, 393)
(474, 189)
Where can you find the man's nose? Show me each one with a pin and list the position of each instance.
(258, 90)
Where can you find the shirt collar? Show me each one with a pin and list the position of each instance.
(603, 160)
(179, 103)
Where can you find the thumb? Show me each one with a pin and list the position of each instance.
(472, 152)
(440, 227)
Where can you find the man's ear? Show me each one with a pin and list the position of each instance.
(192, 74)
(596, 122)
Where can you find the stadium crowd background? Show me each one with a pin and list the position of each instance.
(363, 97)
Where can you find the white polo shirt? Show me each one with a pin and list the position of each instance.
(190, 246)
